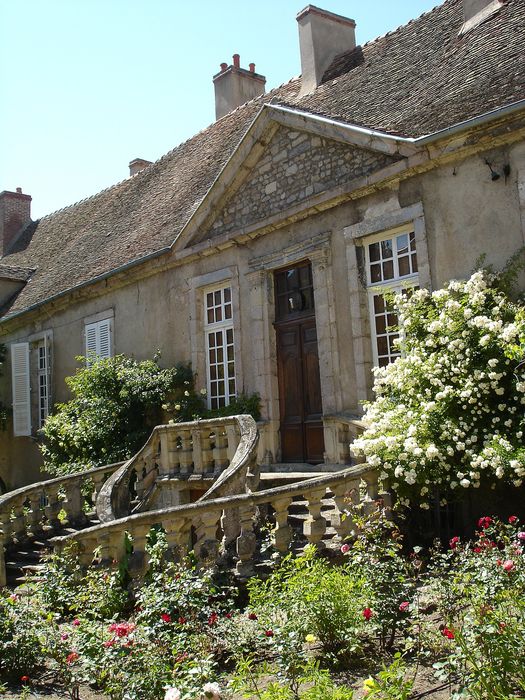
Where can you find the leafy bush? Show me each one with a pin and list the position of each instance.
(116, 403)
(306, 596)
(449, 412)
(21, 650)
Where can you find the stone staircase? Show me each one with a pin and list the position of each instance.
(199, 481)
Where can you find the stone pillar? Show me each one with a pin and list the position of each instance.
(283, 533)
(315, 525)
(246, 542)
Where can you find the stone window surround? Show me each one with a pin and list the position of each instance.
(357, 236)
(199, 286)
(264, 352)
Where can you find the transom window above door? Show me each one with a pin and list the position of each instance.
(294, 292)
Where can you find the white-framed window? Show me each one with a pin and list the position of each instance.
(99, 340)
(391, 267)
(220, 351)
(31, 383)
(42, 360)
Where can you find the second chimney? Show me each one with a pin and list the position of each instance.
(322, 36)
(235, 85)
(137, 164)
(15, 213)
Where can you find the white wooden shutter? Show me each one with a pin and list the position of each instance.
(91, 339)
(104, 338)
(98, 339)
(21, 388)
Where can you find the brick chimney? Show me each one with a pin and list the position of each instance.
(137, 164)
(477, 11)
(322, 36)
(15, 213)
(235, 85)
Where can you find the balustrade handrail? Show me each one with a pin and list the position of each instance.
(113, 498)
(230, 502)
(13, 497)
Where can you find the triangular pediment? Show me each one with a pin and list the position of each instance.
(287, 167)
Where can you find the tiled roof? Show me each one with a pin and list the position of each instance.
(12, 272)
(413, 81)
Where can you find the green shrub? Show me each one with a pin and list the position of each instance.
(21, 652)
(116, 403)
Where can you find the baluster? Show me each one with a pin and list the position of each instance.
(220, 452)
(343, 435)
(283, 533)
(5, 524)
(166, 444)
(207, 545)
(246, 542)
(186, 452)
(138, 562)
(86, 547)
(52, 509)
(207, 452)
(315, 525)
(371, 492)
(231, 526)
(73, 502)
(178, 536)
(18, 524)
(198, 465)
(98, 480)
(35, 516)
(346, 495)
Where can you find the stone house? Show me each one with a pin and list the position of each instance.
(261, 248)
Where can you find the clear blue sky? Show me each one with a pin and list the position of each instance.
(88, 85)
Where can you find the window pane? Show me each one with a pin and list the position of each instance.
(209, 300)
(382, 345)
(386, 248)
(392, 320)
(380, 324)
(373, 251)
(375, 273)
(227, 295)
(379, 303)
(412, 240)
(384, 361)
(388, 270)
(218, 314)
(404, 266)
(229, 336)
(217, 297)
(402, 244)
(228, 311)
(414, 262)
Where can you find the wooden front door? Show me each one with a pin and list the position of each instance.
(298, 367)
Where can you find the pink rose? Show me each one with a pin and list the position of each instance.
(508, 565)
(345, 548)
(404, 606)
(172, 694)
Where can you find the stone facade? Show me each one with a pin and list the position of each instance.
(295, 166)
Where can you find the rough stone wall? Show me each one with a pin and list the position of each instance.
(295, 166)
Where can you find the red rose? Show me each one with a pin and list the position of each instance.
(513, 519)
(454, 542)
(404, 606)
(228, 616)
(446, 632)
(165, 617)
(252, 616)
(269, 633)
(367, 614)
(484, 523)
(182, 620)
(25, 679)
(72, 657)
(76, 623)
(213, 619)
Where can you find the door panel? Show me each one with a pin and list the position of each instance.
(300, 392)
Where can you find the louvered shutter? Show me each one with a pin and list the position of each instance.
(21, 389)
(104, 338)
(91, 340)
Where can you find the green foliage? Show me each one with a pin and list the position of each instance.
(67, 589)
(391, 683)
(244, 403)
(116, 403)
(307, 595)
(449, 412)
(21, 650)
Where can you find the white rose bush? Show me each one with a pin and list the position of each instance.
(449, 414)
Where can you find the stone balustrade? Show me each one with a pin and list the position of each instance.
(34, 509)
(220, 451)
(208, 528)
(340, 430)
